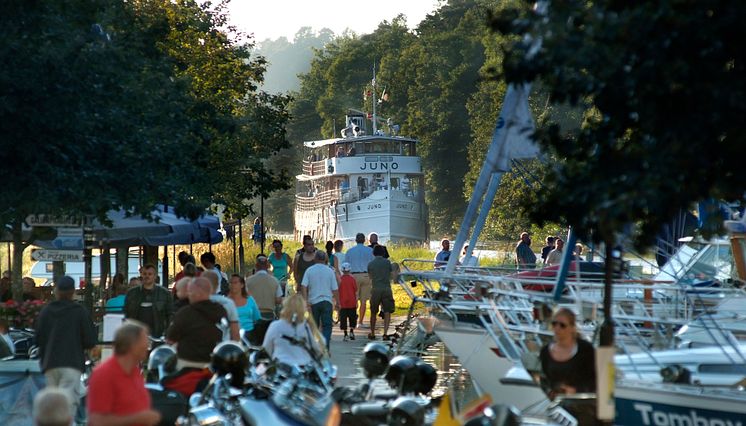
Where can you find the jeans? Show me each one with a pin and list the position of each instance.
(322, 314)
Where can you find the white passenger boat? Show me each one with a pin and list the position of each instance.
(362, 182)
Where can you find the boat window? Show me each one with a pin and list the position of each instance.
(394, 183)
(382, 147)
(723, 369)
(714, 264)
(675, 267)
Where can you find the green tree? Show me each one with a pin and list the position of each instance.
(662, 85)
(119, 104)
(443, 71)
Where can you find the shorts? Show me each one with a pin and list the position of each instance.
(364, 286)
(345, 315)
(383, 298)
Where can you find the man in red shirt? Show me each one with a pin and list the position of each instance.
(347, 301)
(116, 391)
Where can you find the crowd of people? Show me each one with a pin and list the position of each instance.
(202, 308)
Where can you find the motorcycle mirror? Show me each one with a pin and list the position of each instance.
(195, 399)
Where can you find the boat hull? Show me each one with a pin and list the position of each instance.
(394, 220)
(478, 354)
(642, 404)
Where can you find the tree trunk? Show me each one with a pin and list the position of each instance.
(123, 262)
(17, 270)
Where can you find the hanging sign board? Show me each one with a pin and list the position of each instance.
(54, 220)
(43, 255)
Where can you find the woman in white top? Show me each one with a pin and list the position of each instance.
(292, 327)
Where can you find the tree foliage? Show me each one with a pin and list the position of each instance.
(662, 86)
(428, 74)
(107, 105)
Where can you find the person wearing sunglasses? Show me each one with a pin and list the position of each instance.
(568, 363)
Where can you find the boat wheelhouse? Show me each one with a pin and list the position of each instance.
(362, 183)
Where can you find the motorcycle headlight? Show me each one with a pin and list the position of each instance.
(207, 416)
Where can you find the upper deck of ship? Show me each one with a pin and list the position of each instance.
(357, 152)
(366, 154)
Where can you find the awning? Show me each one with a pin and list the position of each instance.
(162, 228)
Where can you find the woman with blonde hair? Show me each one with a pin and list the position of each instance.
(292, 338)
(569, 361)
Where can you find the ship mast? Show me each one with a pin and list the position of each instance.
(375, 101)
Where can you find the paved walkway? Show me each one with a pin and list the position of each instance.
(346, 355)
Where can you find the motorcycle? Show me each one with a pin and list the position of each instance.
(405, 403)
(283, 395)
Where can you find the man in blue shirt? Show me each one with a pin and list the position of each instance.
(321, 291)
(359, 257)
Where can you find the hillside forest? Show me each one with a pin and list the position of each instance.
(441, 86)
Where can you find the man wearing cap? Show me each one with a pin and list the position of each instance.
(64, 331)
(347, 302)
(264, 288)
(359, 257)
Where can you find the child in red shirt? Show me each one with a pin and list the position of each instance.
(347, 301)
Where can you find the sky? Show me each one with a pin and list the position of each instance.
(276, 18)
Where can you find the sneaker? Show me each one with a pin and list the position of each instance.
(352, 335)
(371, 336)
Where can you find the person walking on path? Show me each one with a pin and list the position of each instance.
(321, 291)
(303, 260)
(64, 331)
(381, 295)
(373, 240)
(347, 302)
(265, 288)
(333, 261)
(339, 245)
(116, 391)
(149, 303)
(524, 256)
(442, 257)
(281, 263)
(359, 257)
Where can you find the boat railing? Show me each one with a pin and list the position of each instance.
(316, 200)
(313, 200)
(314, 168)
